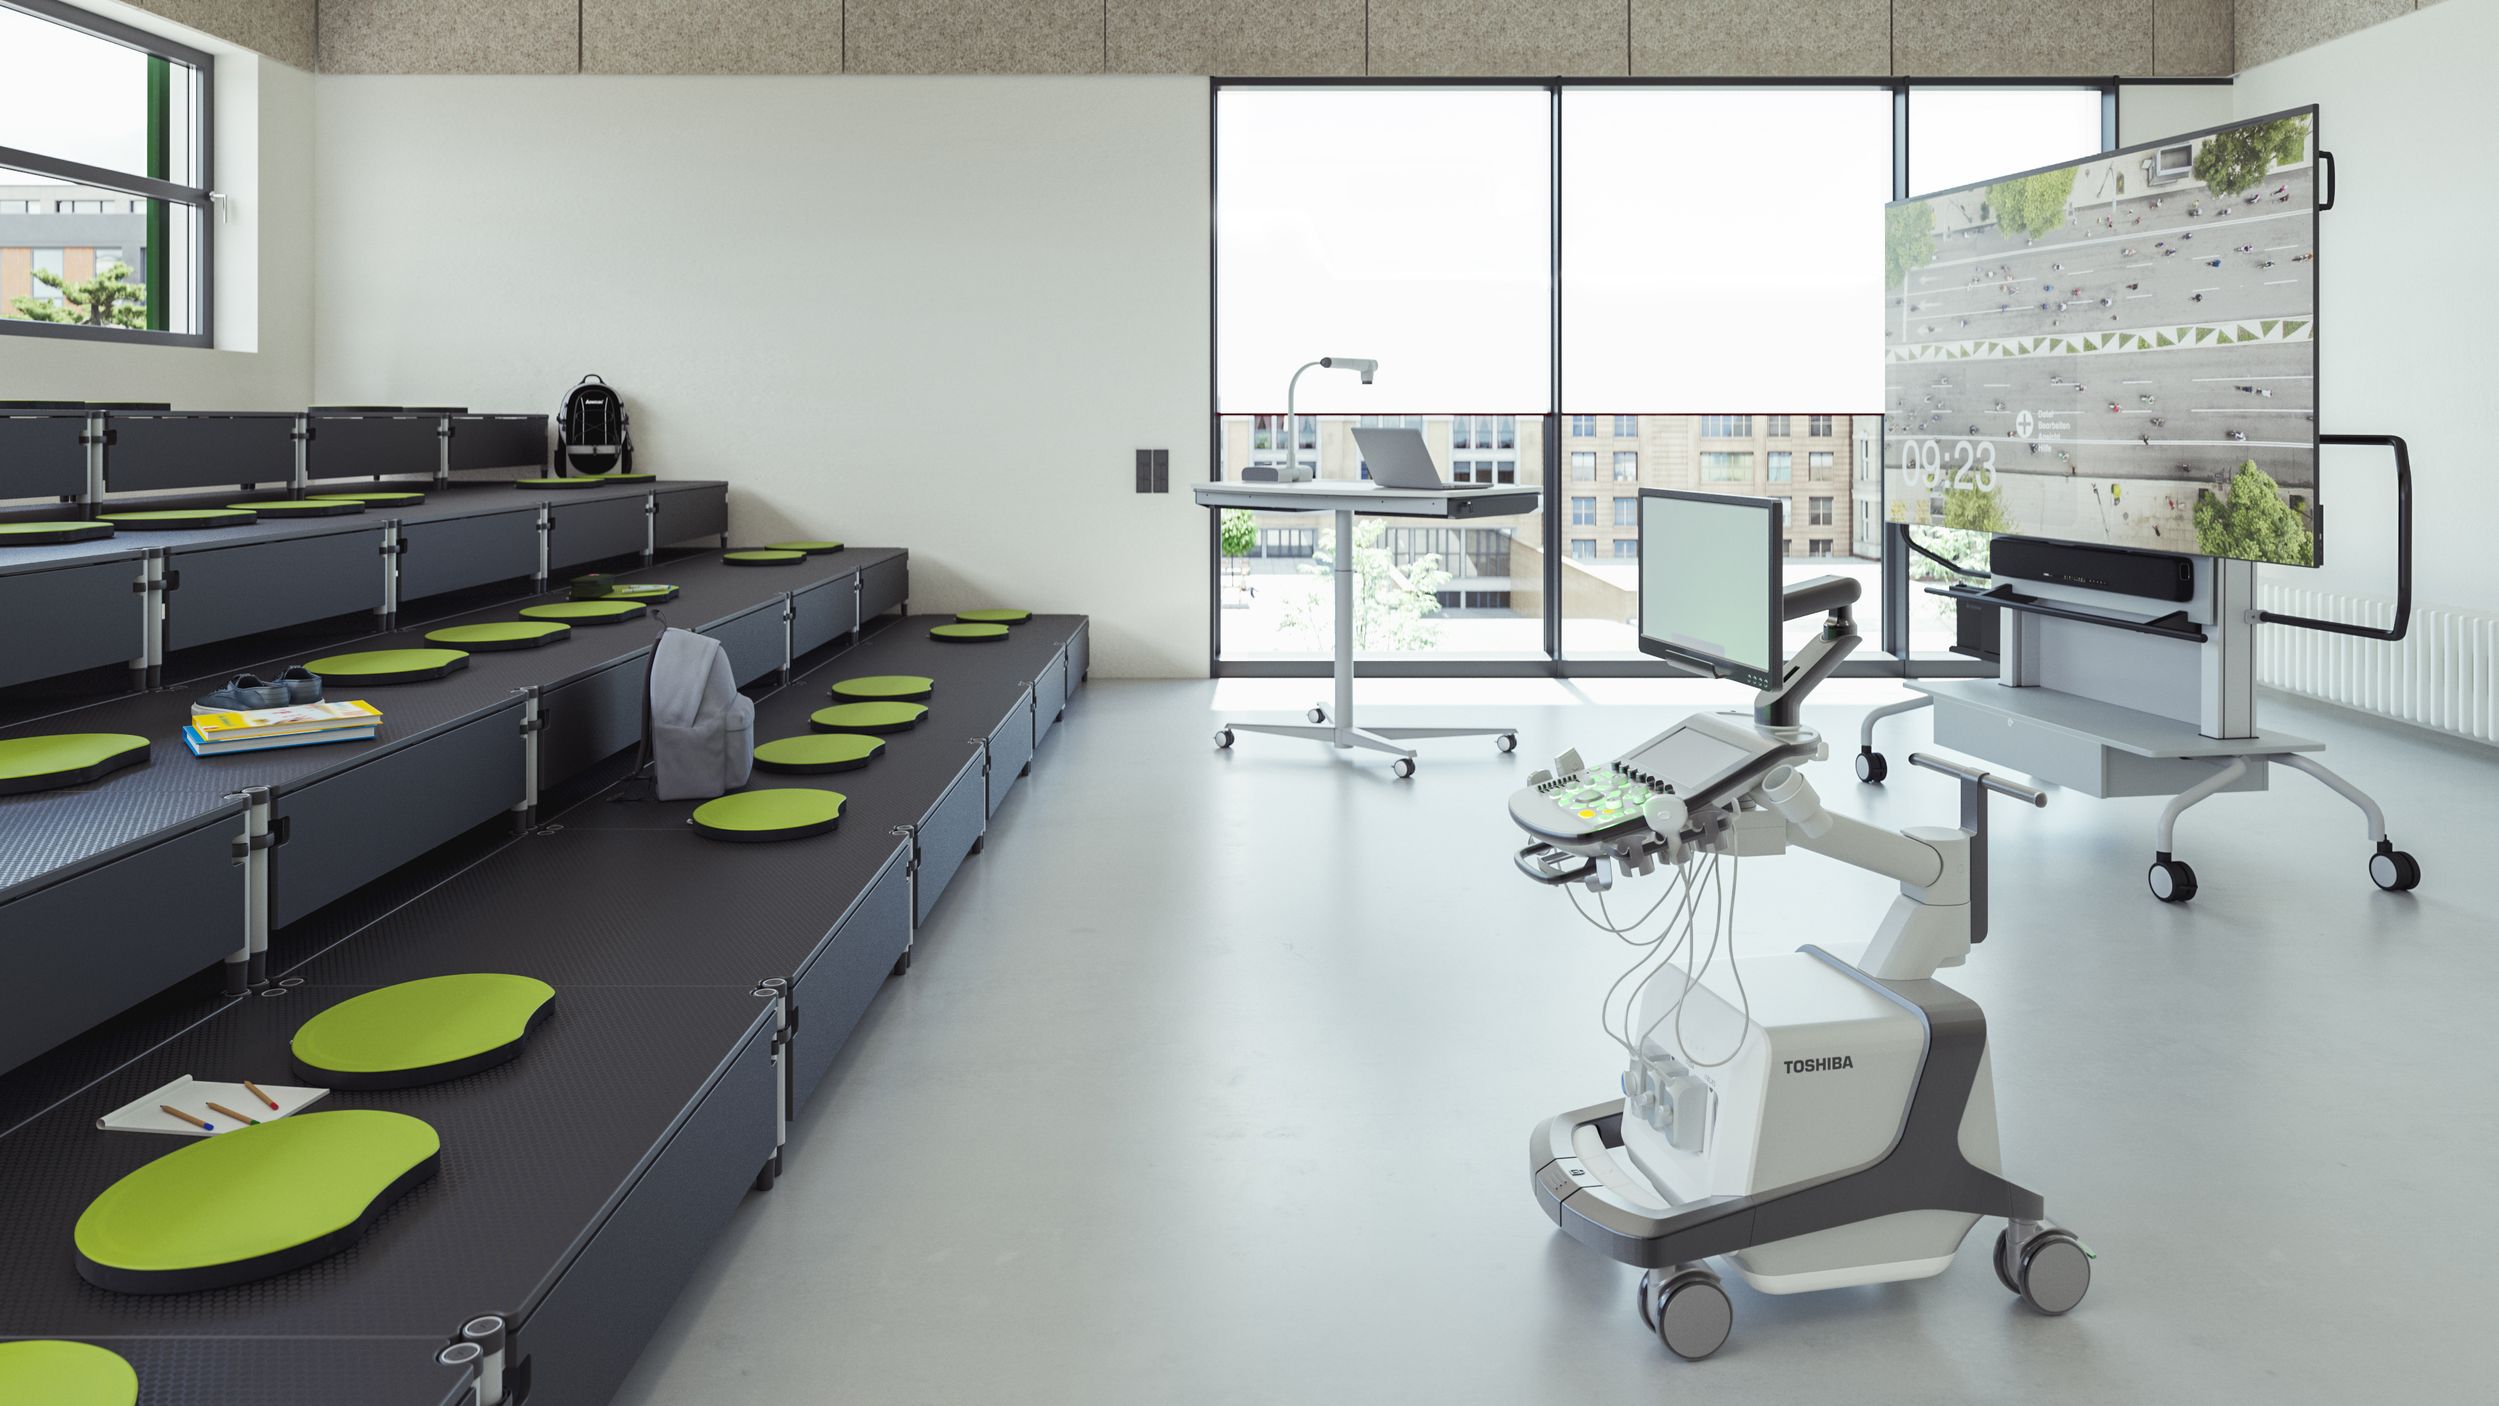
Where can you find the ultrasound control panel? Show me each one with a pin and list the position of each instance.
(1705, 760)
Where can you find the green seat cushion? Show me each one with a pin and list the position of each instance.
(583, 480)
(868, 717)
(256, 1201)
(897, 687)
(388, 665)
(36, 534)
(180, 519)
(649, 593)
(965, 634)
(394, 497)
(587, 612)
(302, 507)
(65, 759)
(65, 1374)
(421, 1032)
(501, 634)
(762, 557)
(785, 814)
(812, 549)
(818, 752)
(993, 617)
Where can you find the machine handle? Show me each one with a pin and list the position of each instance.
(1530, 861)
(2030, 795)
(2403, 550)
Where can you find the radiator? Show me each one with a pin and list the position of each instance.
(2443, 674)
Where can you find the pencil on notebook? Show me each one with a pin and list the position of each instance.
(244, 1118)
(205, 1127)
(264, 1098)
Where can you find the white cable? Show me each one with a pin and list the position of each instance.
(1736, 875)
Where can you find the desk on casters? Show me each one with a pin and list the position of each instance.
(1345, 500)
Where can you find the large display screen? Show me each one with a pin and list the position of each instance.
(2118, 350)
(1709, 582)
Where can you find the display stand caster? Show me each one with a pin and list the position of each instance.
(1688, 1309)
(1317, 715)
(1506, 742)
(1871, 768)
(1403, 766)
(1223, 738)
(2051, 1272)
(2173, 882)
(2393, 870)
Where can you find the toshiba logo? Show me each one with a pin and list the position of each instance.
(1817, 1066)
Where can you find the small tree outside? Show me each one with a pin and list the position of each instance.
(2249, 521)
(1971, 515)
(2241, 158)
(2032, 205)
(1908, 240)
(1393, 606)
(109, 299)
(1236, 536)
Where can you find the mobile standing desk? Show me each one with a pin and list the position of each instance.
(1346, 501)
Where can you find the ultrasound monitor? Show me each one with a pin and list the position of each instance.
(1710, 583)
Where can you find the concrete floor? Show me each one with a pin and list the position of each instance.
(1213, 1078)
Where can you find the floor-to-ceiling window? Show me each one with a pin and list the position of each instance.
(1707, 254)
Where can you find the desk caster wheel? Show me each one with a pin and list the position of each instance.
(2172, 881)
(1871, 768)
(2393, 870)
(1403, 767)
(1506, 742)
(2051, 1273)
(1317, 715)
(1223, 738)
(1688, 1309)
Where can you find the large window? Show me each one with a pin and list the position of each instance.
(104, 179)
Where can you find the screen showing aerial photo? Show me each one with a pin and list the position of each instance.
(2121, 350)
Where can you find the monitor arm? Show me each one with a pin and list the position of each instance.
(1834, 595)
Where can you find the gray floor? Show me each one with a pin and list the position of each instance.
(1213, 1079)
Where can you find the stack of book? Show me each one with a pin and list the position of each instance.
(301, 725)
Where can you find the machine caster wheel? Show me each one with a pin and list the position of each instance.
(2394, 871)
(2004, 1275)
(1506, 742)
(1317, 715)
(2171, 880)
(1403, 767)
(1871, 768)
(2052, 1274)
(1689, 1312)
(1223, 739)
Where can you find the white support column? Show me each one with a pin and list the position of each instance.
(247, 969)
(2227, 662)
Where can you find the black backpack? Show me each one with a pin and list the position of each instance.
(593, 433)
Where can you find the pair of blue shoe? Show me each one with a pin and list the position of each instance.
(249, 693)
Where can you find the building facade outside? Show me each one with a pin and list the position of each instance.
(73, 231)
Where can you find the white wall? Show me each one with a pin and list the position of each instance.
(939, 313)
(2406, 278)
(263, 290)
(2147, 112)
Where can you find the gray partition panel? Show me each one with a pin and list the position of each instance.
(823, 614)
(1049, 696)
(498, 442)
(589, 720)
(89, 948)
(947, 834)
(448, 554)
(584, 1333)
(755, 641)
(43, 456)
(223, 592)
(592, 529)
(197, 451)
(834, 990)
(1010, 751)
(356, 446)
(368, 820)
(884, 586)
(76, 617)
(686, 514)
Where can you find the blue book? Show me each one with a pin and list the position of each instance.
(199, 748)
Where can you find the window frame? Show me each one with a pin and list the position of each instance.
(200, 199)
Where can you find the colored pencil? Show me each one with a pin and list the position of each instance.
(264, 1098)
(244, 1118)
(187, 1118)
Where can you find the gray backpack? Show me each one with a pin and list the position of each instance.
(700, 730)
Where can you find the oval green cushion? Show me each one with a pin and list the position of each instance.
(388, 665)
(395, 497)
(810, 548)
(650, 593)
(65, 1374)
(967, 632)
(65, 759)
(756, 557)
(420, 1032)
(783, 814)
(868, 717)
(587, 612)
(819, 752)
(259, 1200)
(33, 534)
(301, 507)
(172, 519)
(501, 634)
(888, 686)
(993, 617)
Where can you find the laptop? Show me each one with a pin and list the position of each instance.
(1398, 458)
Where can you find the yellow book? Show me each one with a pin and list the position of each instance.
(280, 722)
